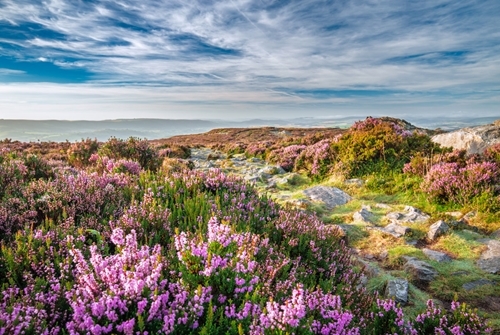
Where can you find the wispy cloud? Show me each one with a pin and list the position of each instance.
(286, 54)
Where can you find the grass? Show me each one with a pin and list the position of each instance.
(460, 244)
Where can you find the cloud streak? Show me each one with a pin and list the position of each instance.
(283, 54)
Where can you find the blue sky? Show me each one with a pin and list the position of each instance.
(241, 59)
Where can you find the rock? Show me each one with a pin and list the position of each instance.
(396, 229)
(477, 283)
(410, 214)
(490, 259)
(398, 290)
(382, 206)
(364, 215)
(355, 181)
(496, 234)
(456, 215)
(272, 170)
(437, 256)
(473, 140)
(422, 272)
(331, 197)
(437, 229)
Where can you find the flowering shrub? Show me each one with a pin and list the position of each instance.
(450, 182)
(79, 153)
(493, 153)
(378, 146)
(132, 149)
(286, 156)
(316, 159)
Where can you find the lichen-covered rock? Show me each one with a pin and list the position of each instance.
(437, 229)
(331, 197)
(397, 289)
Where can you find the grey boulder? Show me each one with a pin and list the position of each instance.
(331, 197)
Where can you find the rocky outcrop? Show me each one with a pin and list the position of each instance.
(473, 140)
(331, 197)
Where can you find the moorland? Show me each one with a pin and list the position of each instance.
(373, 229)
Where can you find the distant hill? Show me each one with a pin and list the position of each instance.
(60, 131)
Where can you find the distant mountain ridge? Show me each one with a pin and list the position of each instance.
(60, 131)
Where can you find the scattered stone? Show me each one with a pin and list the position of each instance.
(411, 214)
(364, 215)
(398, 290)
(456, 215)
(437, 256)
(460, 273)
(299, 203)
(396, 229)
(422, 272)
(477, 283)
(490, 259)
(355, 181)
(437, 229)
(469, 216)
(272, 170)
(382, 206)
(331, 197)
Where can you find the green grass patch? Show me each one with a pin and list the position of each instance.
(460, 244)
(395, 255)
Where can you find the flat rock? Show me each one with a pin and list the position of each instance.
(490, 259)
(331, 197)
(410, 214)
(437, 229)
(437, 256)
(477, 283)
(396, 229)
(422, 272)
(398, 290)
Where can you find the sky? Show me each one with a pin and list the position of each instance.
(244, 59)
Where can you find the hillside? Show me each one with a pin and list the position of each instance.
(263, 231)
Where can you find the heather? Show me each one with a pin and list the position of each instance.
(110, 241)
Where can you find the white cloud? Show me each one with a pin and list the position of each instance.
(279, 47)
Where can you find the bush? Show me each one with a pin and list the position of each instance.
(450, 182)
(132, 149)
(79, 153)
